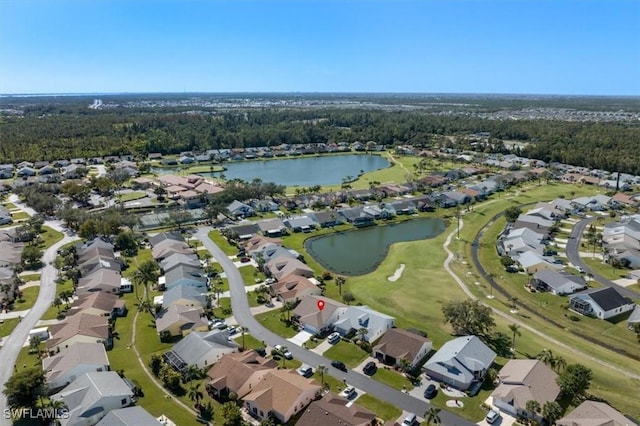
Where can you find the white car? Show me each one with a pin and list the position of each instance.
(492, 416)
(305, 370)
(333, 338)
(348, 392)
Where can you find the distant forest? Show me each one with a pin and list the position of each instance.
(58, 131)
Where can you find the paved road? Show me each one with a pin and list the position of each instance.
(573, 248)
(13, 343)
(242, 314)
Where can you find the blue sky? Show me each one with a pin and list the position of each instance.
(459, 46)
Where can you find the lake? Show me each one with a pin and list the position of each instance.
(303, 171)
(361, 251)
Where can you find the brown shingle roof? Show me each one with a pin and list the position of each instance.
(592, 413)
(237, 371)
(99, 300)
(524, 380)
(332, 410)
(81, 324)
(400, 344)
(279, 390)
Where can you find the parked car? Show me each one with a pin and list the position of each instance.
(339, 365)
(287, 354)
(492, 416)
(245, 259)
(232, 331)
(348, 392)
(333, 338)
(430, 392)
(305, 370)
(370, 368)
(410, 420)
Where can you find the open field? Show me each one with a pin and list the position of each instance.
(29, 296)
(272, 321)
(222, 242)
(7, 326)
(349, 353)
(49, 237)
(382, 409)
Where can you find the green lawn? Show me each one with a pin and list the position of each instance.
(130, 196)
(52, 312)
(10, 206)
(7, 326)
(49, 237)
(382, 409)
(349, 353)
(19, 216)
(222, 242)
(30, 277)
(222, 308)
(604, 269)
(29, 295)
(250, 274)
(250, 342)
(272, 321)
(392, 378)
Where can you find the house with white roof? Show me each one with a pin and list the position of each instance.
(533, 262)
(461, 363)
(357, 317)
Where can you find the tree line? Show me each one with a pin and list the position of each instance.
(35, 136)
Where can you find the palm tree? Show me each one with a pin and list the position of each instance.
(362, 332)
(559, 363)
(195, 395)
(546, 356)
(532, 407)
(404, 364)
(192, 372)
(243, 330)
(322, 369)
(147, 273)
(515, 329)
(287, 307)
(340, 281)
(432, 415)
(551, 411)
(283, 350)
(57, 303)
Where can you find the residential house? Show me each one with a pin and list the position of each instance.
(5, 216)
(26, 172)
(200, 348)
(98, 262)
(273, 227)
(238, 373)
(186, 275)
(624, 234)
(158, 238)
(461, 363)
(64, 367)
(335, 410)
(280, 394)
(243, 231)
(167, 247)
(239, 209)
(79, 328)
(179, 259)
(356, 216)
(180, 320)
(292, 288)
(184, 295)
(101, 280)
(314, 320)
(397, 344)
(282, 266)
(74, 171)
(302, 223)
(327, 219)
(593, 413)
(91, 396)
(359, 317)
(99, 303)
(533, 262)
(523, 380)
(129, 416)
(558, 283)
(89, 247)
(47, 170)
(257, 243)
(6, 171)
(597, 202)
(603, 303)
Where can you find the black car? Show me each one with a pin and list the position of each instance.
(430, 392)
(339, 365)
(370, 368)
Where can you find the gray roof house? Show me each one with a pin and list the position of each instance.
(237, 208)
(558, 283)
(244, 230)
(300, 223)
(184, 295)
(461, 363)
(327, 218)
(129, 416)
(158, 238)
(602, 303)
(91, 396)
(356, 317)
(177, 259)
(70, 363)
(202, 349)
(273, 227)
(186, 275)
(593, 413)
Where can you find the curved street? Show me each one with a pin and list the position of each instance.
(242, 314)
(13, 344)
(573, 254)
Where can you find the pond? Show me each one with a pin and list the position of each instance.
(304, 171)
(361, 251)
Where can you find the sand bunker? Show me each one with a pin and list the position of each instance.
(397, 274)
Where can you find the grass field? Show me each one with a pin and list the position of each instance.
(250, 274)
(30, 277)
(392, 378)
(349, 353)
(49, 237)
(382, 409)
(130, 196)
(222, 242)
(29, 295)
(271, 320)
(7, 326)
(19, 216)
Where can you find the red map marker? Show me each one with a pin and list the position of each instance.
(320, 304)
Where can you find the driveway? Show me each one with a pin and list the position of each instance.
(300, 338)
(242, 314)
(573, 247)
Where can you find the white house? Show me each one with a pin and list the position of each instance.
(91, 396)
(79, 358)
(201, 349)
(602, 303)
(357, 317)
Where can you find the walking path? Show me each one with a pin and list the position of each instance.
(465, 289)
